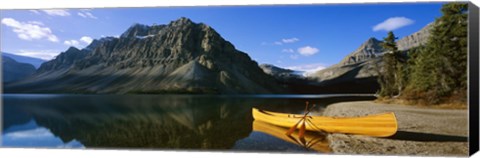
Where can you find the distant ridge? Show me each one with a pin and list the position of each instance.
(356, 73)
(360, 68)
(36, 62)
(13, 70)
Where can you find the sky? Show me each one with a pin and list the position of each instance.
(299, 37)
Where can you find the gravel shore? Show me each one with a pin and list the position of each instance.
(421, 131)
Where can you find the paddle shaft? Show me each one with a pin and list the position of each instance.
(301, 132)
(292, 129)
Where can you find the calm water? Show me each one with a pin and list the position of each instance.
(165, 122)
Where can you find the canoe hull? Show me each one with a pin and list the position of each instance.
(379, 125)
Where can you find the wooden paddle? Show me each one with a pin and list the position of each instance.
(302, 128)
(294, 127)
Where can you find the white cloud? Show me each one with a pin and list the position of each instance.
(57, 12)
(308, 69)
(86, 39)
(393, 23)
(290, 40)
(35, 11)
(307, 51)
(90, 15)
(74, 43)
(81, 14)
(288, 50)
(30, 30)
(38, 137)
(72, 144)
(32, 133)
(36, 23)
(277, 43)
(42, 54)
(282, 41)
(86, 14)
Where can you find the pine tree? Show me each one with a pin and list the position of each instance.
(439, 70)
(392, 79)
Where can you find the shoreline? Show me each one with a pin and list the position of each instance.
(421, 131)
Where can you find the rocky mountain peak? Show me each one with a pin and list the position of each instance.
(372, 40)
(280, 73)
(93, 44)
(185, 24)
(272, 69)
(63, 60)
(72, 50)
(416, 39)
(181, 56)
(179, 42)
(181, 21)
(136, 30)
(369, 49)
(372, 48)
(358, 71)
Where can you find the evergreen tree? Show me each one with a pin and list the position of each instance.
(392, 79)
(439, 70)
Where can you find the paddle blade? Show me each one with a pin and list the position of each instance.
(292, 129)
(301, 133)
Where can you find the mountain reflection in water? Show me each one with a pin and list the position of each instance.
(183, 122)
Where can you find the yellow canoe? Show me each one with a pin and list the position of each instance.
(312, 141)
(379, 125)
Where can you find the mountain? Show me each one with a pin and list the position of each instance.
(63, 61)
(13, 70)
(36, 62)
(416, 39)
(281, 73)
(291, 80)
(371, 48)
(180, 57)
(357, 72)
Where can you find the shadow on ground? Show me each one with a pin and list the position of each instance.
(414, 136)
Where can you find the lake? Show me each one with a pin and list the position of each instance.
(159, 122)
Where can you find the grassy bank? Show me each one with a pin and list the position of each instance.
(453, 102)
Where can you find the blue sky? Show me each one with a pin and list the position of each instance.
(301, 37)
